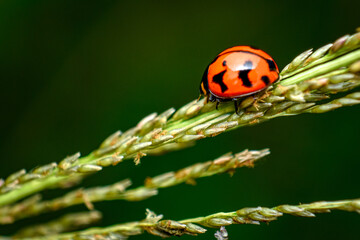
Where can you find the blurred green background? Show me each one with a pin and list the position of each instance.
(73, 72)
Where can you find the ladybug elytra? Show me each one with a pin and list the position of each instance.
(238, 72)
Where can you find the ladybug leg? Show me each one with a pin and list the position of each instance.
(236, 106)
(217, 104)
(206, 99)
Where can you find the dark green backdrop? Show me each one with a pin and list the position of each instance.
(72, 72)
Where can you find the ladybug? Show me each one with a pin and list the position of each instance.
(238, 72)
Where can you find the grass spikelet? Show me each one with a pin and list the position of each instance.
(311, 83)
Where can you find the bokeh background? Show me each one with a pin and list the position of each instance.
(73, 72)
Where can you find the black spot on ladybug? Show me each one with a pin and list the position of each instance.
(271, 64)
(219, 79)
(265, 79)
(224, 63)
(244, 74)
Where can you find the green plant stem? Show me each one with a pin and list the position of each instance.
(226, 163)
(228, 108)
(29, 189)
(35, 186)
(166, 228)
(298, 93)
(324, 68)
(66, 223)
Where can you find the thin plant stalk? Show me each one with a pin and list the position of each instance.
(154, 224)
(118, 191)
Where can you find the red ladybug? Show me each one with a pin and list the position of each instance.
(238, 72)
